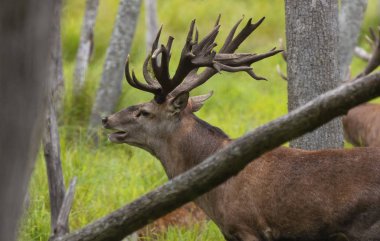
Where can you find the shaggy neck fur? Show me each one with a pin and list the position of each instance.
(188, 144)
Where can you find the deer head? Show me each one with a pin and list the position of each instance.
(145, 124)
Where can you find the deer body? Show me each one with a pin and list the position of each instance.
(362, 125)
(286, 194)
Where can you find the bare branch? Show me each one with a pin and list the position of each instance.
(63, 217)
(362, 54)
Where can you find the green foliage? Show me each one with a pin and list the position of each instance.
(112, 175)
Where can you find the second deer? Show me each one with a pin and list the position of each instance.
(362, 123)
(286, 194)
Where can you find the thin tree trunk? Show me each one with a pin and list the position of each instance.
(85, 45)
(217, 168)
(53, 166)
(151, 23)
(110, 85)
(312, 44)
(57, 84)
(51, 136)
(25, 28)
(350, 20)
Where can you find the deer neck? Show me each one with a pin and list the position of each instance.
(191, 142)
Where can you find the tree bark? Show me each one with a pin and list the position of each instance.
(24, 49)
(57, 83)
(312, 44)
(85, 45)
(217, 168)
(350, 20)
(50, 139)
(151, 23)
(62, 227)
(110, 85)
(52, 154)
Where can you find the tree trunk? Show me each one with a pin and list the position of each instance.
(85, 45)
(350, 20)
(53, 165)
(110, 85)
(57, 84)
(25, 28)
(50, 139)
(151, 23)
(312, 44)
(217, 168)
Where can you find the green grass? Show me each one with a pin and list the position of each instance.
(112, 175)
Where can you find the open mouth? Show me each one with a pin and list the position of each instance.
(117, 136)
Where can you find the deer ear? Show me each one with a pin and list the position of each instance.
(198, 101)
(179, 102)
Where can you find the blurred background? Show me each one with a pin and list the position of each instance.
(111, 175)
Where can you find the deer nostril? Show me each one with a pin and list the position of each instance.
(104, 120)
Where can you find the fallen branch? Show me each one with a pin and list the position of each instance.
(228, 162)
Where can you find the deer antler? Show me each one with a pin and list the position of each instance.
(195, 55)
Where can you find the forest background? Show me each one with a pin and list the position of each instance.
(111, 175)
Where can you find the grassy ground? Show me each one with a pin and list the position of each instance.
(112, 175)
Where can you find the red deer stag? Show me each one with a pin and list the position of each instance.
(287, 194)
(362, 123)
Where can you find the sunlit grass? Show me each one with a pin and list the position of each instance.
(111, 175)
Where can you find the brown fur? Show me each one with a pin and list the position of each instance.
(362, 125)
(186, 216)
(286, 194)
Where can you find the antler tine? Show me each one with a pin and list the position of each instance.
(196, 36)
(161, 72)
(207, 41)
(189, 37)
(244, 33)
(218, 20)
(156, 40)
(244, 59)
(195, 55)
(134, 82)
(148, 78)
(230, 36)
(169, 44)
(374, 61)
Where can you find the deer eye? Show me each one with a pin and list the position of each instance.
(143, 113)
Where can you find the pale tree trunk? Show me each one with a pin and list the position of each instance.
(24, 50)
(217, 168)
(350, 20)
(312, 44)
(85, 45)
(110, 85)
(57, 82)
(151, 23)
(51, 136)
